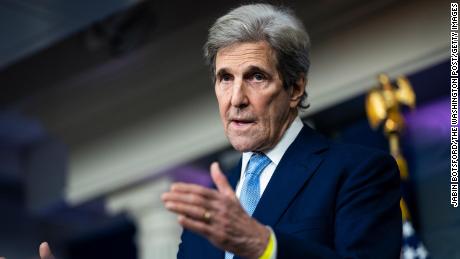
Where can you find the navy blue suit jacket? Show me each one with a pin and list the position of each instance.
(324, 200)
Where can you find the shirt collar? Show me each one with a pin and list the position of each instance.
(276, 153)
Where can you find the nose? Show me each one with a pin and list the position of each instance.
(239, 97)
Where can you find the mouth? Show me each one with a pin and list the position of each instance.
(241, 123)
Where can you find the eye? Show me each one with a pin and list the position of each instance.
(259, 77)
(225, 77)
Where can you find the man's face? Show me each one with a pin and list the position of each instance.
(254, 107)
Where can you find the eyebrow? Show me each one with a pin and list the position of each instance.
(221, 72)
(251, 69)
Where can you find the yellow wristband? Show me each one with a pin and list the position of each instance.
(269, 249)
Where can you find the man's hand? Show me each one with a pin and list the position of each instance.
(218, 216)
(45, 251)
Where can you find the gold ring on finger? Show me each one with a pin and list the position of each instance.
(207, 216)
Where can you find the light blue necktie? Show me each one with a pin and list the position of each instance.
(250, 190)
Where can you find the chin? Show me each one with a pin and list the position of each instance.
(244, 145)
(240, 147)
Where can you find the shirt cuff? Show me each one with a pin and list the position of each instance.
(271, 249)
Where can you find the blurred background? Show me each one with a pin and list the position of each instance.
(104, 103)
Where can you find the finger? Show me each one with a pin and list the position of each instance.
(220, 180)
(191, 211)
(45, 251)
(196, 226)
(189, 198)
(193, 188)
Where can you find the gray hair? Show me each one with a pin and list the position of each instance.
(278, 26)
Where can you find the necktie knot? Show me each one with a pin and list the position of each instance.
(257, 163)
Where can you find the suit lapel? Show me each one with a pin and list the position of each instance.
(298, 164)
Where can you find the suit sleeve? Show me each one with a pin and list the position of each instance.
(367, 216)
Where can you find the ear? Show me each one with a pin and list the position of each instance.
(297, 91)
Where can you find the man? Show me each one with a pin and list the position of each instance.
(294, 194)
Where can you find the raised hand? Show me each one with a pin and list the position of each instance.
(217, 215)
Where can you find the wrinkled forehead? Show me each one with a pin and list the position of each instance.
(239, 56)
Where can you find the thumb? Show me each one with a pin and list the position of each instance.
(45, 251)
(220, 180)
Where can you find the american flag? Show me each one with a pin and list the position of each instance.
(412, 247)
